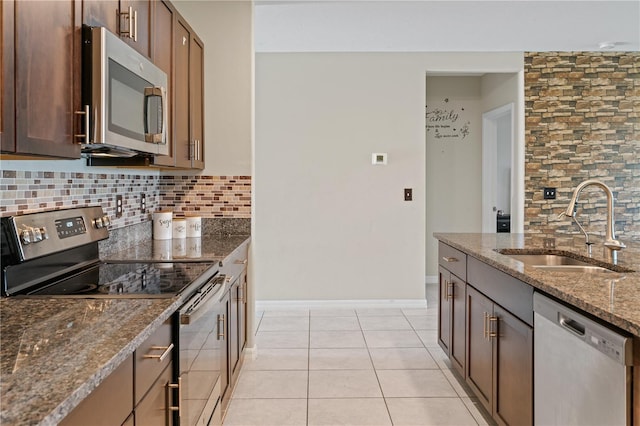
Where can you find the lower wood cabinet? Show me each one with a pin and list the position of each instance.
(153, 409)
(499, 360)
(109, 404)
(451, 327)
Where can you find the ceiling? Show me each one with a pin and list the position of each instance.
(445, 25)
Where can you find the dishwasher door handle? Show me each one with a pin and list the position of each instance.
(572, 325)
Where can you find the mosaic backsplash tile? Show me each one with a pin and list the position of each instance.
(582, 121)
(208, 196)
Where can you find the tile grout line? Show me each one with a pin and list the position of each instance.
(375, 371)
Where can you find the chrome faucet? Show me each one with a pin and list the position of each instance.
(610, 238)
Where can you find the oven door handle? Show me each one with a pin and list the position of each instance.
(208, 295)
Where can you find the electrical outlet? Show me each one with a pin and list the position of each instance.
(118, 205)
(549, 193)
(408, 194)
(143, 203)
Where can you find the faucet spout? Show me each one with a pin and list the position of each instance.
(610, 238)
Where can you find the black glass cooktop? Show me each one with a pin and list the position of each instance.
(128, 279)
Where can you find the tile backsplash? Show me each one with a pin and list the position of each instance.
(582, 121)
(208, 196)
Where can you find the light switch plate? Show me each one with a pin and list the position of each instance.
(118, 205)
(379, 158)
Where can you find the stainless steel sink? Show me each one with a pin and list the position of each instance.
(558, 262)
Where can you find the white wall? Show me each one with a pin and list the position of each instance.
(328, 224)
(226, 28)
(454, 167)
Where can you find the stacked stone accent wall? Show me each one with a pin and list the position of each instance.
(582, 121)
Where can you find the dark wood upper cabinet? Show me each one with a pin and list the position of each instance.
(114, 15)
(47, 82)
(101, 13)
(7, 94)
(163, 17)
(188, 123)
(139, 24)
(196, 94)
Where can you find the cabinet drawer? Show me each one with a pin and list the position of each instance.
(511, 293)
(453, 260)
(148, 364)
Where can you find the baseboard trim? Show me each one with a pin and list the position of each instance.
(370, 303)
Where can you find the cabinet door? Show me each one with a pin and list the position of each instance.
(162, 56)
(513, 370)
(444, 310)
(141, 24)
(233, 331)
(47, 77)
(196, 88)
(181, 132)
(225, 383)
(153, 410)
(110, 403)
(101, 13)
(479, 346)
(242, 312)
(458, 324)
(7, 95)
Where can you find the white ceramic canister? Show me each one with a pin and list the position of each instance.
(179, 228)
(194, 227)
(162, 225)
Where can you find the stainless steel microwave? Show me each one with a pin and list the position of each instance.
(125, 99)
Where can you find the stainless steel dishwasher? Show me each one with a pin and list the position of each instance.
(582, 369)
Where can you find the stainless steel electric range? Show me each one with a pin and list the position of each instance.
(55, 254)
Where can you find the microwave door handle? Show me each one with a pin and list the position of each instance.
(149, 92)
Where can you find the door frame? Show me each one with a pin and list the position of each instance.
(489, 160)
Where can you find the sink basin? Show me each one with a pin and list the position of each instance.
(558, 262)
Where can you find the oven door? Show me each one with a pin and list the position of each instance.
(201, 353)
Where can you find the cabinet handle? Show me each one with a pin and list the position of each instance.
(192, 150)
(449, 259)
(485, 331)
(135, 25)
(221, 334)
(84, 135)
(129, 16)
(491, 332)
(240, 262)
(450, 290)
(167, 350)
(229, 278)
(241, 293)
(179, 387)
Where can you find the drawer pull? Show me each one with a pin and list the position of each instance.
(240, 262)
(449, 259)
(167, 350)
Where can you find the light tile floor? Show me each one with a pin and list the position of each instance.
(332, 367)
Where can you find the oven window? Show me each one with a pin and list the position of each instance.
(127, 104)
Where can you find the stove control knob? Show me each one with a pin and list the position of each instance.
(26, 235)
(44, 233)
(37, 235)
(105, 220)
(97, 222)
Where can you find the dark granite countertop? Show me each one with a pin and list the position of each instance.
(55, 352)
(205, 248)
(611, 296)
